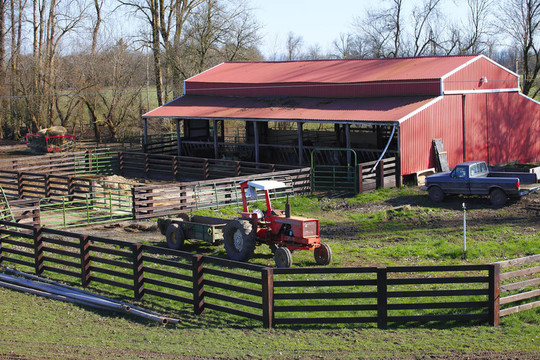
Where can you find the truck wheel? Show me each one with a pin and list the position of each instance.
(497, 197)
(239, 239)
(436, 194)
(323, 254)
(175, 236)
(283, 257)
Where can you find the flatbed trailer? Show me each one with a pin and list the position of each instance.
(196, 227)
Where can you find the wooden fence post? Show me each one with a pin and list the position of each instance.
(238, 168)
(360, 178)
(494, 294)
(47, 185)
(121, 162)
(38, 249)
(146, 165)
(198, 284)
(175, 168)
(382, 297)
(85, 260)
(138, 271)
(20, 185)
(399, 178)
(134, 209)
(206, 169)
(380, 175)
(268, 297)
(36, 213)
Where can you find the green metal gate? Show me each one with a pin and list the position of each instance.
(334, 170)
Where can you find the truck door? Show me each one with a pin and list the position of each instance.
(460, 181)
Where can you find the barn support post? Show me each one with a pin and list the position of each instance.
(145, 134)
(256, 137)
(178, 139)
(300, 143)
(494, 294)
(216, 150)
(268, 297)
(348, 142)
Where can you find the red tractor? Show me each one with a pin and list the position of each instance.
(278, 229)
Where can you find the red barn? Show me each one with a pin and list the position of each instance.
(378, 107)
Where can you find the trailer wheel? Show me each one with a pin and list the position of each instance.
(497, 197)
(175, 236)
(323, 254)
(436, 194)
(283, 257)
(239, 239)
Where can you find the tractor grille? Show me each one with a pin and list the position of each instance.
(310, 228)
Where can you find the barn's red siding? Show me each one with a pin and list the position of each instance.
(499, 128)
(469, 77)
(441, 120)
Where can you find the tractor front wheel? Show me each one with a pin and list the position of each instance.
(323, 254)
(283, 257)
(239, 239)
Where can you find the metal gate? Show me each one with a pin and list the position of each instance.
(334, 170)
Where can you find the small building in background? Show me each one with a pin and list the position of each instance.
(280, 112)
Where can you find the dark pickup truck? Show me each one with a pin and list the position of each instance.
(474, 178)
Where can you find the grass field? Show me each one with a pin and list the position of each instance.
(389, 227)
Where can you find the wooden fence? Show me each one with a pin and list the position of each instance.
(520, 283)
(162, 200)
(178, 168)
(378, 295)
(69, 163)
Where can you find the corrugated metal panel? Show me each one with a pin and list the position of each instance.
(476, 131)
(473, 76)
(513, 128)
(290, 108)
(442, 120)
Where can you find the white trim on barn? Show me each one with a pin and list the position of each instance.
(462, 92)
(422, 108)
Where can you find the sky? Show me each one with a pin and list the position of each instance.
(317, 21)
(314, 20)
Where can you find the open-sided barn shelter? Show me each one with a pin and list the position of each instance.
(282, 111)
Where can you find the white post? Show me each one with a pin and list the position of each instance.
(464, 230)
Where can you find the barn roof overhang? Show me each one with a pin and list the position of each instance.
(374, 110)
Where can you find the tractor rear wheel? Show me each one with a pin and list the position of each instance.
(283, 257)
(175, 236)
(239, 239)
(323, 254)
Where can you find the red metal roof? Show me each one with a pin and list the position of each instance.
(332, 71)
(421, 76)
(387, 109)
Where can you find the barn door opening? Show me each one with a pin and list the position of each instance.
(334, 170)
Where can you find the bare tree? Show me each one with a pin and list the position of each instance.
(520, 20)
(293, 46)
(424, 32)
(382, 30)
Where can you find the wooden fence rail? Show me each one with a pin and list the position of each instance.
(378, 295)
(520, 284)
